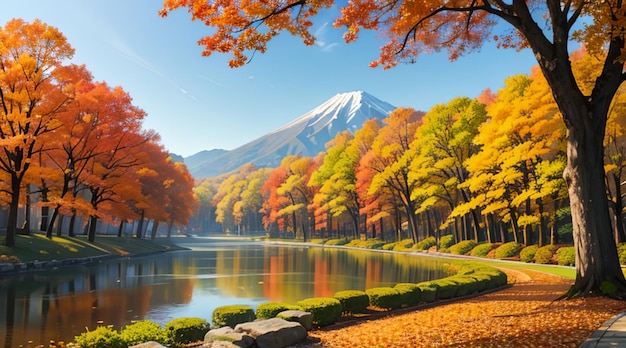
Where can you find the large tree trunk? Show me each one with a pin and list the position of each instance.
(597, 264)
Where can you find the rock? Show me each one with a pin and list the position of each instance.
(304, 318)
(273, 333)
(227, 337)
(150, 344)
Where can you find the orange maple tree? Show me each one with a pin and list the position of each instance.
(30, 92)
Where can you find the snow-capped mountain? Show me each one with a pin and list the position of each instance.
(306, 135)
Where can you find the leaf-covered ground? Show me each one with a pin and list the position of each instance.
(523, 315)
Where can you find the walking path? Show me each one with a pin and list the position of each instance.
(611, 334)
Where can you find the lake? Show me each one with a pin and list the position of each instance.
(59, 304)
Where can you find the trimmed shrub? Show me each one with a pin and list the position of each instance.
(566, 256)
(446, 241)
(509, 249)
(339, 241)
(410, 293)
(403, 245)
(181, 331)
(352, 301)
(143, 331)
(465, 285)
(527, 254)
(268, 310)
(232, 315)
(483, 281)
(481, 250)
(463, 247)
(384, 297)
(101, 337)
(324, 310)
(389, 246)
(428, 291)
(373, 243)
(425, 243)
(446, 288)
(497, 277)
(544, 254)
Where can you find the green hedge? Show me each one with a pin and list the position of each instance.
(428, 292)
(384, 297)
(367, 244)
(101, 337)
(410, 293)
(324, 310)
(544, 254)
(403, 245)
(509, 249)
(181, 331)
(143, 331)
(352, 301)
(481, 250)
(566, 256)
(425, 243)
(339, 241)
(527, 254)
(446, 241)
(268, 310)
(232, 315)
(463, 247)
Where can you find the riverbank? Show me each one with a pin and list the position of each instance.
(36, 252)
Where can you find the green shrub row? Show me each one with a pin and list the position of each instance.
(176, 333)
(468, 278)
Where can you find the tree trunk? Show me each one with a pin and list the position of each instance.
(120, 229)
(14, 206)
(597, 262)
(91, 233)
(155, 226)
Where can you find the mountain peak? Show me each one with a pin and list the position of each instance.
(306, 135)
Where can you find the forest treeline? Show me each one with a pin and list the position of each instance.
(484, 169)
(75, 147)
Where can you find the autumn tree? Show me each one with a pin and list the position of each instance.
(335, 179)
(442, 144)
(30, 94)
(512, 174)
(387, 159)
(299, 194)
(461, 27)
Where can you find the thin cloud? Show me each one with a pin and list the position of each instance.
(121, 48)
(320, 34)
(211, 80)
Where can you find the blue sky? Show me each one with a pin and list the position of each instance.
(198, 103)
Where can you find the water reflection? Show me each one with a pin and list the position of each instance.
(62, 303)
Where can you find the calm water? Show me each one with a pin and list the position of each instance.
(60, 304)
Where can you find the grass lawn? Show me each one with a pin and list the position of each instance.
(36, 247)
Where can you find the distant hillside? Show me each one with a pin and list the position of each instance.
(306, 135)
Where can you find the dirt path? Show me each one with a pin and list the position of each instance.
(523, 315)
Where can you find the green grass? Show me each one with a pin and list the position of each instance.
(36, 247)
